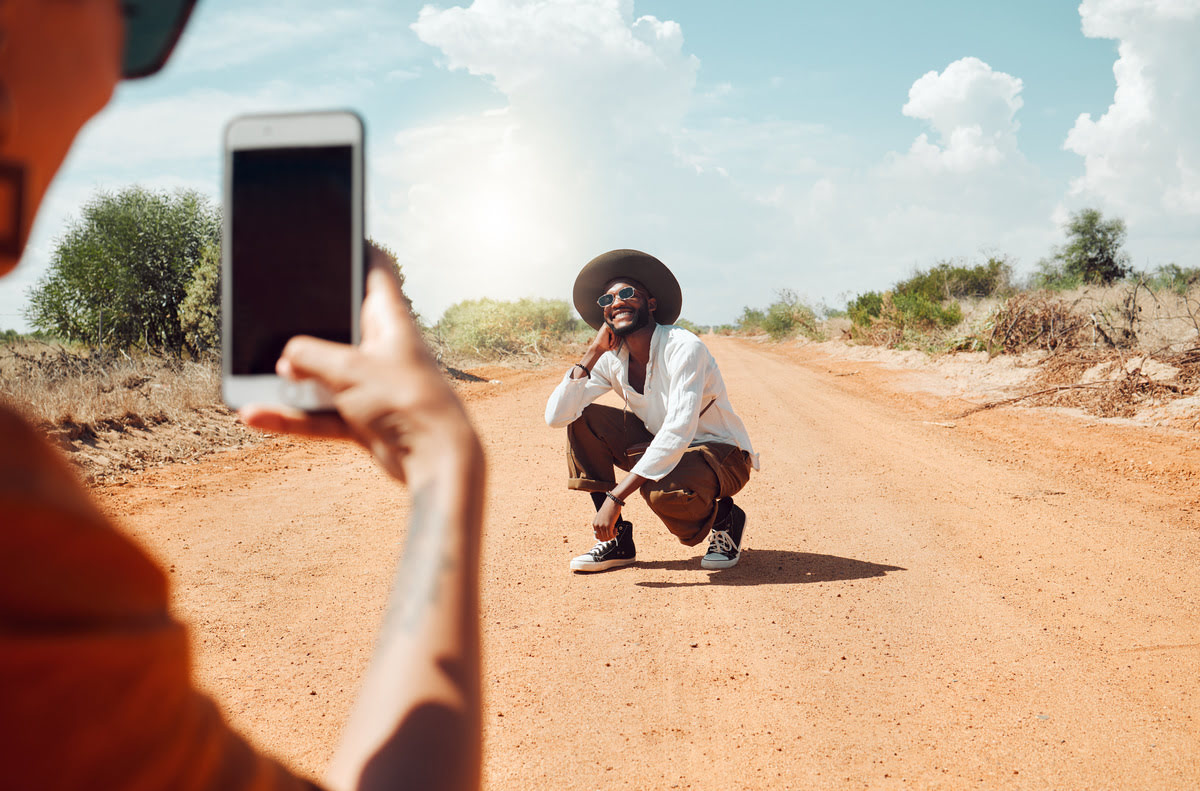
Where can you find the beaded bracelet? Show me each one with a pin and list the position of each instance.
(615, 499)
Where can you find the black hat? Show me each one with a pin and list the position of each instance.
(642, 267)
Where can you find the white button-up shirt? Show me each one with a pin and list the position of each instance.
(682, 378)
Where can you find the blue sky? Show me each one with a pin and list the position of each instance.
(827, 148)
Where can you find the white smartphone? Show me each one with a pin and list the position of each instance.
(293, 248)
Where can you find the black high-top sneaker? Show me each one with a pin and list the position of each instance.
(728, 534)
(609, 554)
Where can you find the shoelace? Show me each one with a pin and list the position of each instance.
(721, 543)
(602, 547)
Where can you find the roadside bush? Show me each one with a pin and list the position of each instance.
(865, 307)
(1051, 275)
(690, 326)
(491, 329)
(1171, 277)
(906, 321)
(789, 316)
(786, 317)
(901, 319)
(8, 337)
(200, 311)
(751, 321)
(920, 312)
(950, 280)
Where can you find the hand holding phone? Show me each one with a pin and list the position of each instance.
(389, 394)
(292, 260)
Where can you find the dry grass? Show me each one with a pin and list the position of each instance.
(1111, 351)
(1119, 349)
(116, 413)
(1132, 316)
(79, 390)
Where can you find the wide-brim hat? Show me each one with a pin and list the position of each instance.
(642, 267)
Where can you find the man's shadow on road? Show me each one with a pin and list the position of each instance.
(773, 567)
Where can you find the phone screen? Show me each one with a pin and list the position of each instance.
(290, 248)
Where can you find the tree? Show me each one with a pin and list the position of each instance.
(200, 311)
(119, 273)
(1093, 252)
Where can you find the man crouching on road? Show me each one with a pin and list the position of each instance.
(682, 446)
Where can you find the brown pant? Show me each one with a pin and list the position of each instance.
(685, 498)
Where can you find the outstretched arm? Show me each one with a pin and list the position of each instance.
(416, 723)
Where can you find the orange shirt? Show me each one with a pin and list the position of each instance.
(95, 683)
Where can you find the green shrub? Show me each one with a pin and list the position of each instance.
(921, 312)
(903, 320)
(690, 326)
(1052, 275)
(491, 328)
(950, 280)
(751, 320)
(1171, 277)
(200, 311)
(12, 336)
(865, 307)
(790, 315)
(787, 316)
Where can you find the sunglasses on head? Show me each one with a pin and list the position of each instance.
(151, 29)
(607, 299)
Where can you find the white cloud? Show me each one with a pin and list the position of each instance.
(570, 64)
(973, 111)
(1142, 156)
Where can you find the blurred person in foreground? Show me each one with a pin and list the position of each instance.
(677, 437)
(95, 684)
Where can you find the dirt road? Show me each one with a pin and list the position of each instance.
(1007, 600)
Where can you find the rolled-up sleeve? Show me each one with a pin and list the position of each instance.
(686, 372)
(572, 395)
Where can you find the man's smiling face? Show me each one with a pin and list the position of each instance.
(627, 316)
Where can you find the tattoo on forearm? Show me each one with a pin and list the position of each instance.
(425, 564)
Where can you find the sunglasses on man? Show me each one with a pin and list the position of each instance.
(152, 27)
(607, 299)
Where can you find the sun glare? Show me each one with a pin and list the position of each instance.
(498, 217)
